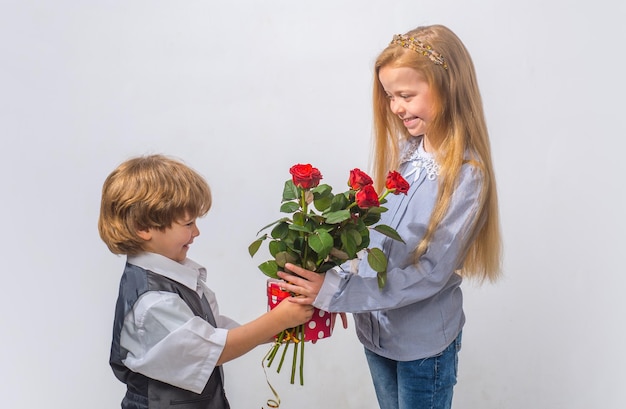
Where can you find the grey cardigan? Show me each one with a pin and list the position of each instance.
(420, 310)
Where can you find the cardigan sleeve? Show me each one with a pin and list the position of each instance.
(409, 282)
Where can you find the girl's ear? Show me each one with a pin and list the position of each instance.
(144, 234)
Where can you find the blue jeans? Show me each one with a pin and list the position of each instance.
(421, 384)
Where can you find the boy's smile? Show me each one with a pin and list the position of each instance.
(174, 241)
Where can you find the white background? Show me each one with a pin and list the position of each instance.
(242, 90)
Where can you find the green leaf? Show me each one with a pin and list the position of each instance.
(269, 268)
(284, 219)
(382, 279)
(388, 231)
(356, 235)
(276, 246)
(337, 217)
(317, 220)
(284, 257)
(321, 190)
(299, 218)
(377, 260)
(366, 241)
(296, 242)
(289, 207)
(290, 191)
(350, 239)
(371, 218)
(321, 242)
(339, 202)
(306, 228)
(311, 224)
(254, 246)
(322, 197)
(339, 254)
(324, 267)
(310, 265)
(322, 203)
(280, 231)
(364, 231)
(377, 210)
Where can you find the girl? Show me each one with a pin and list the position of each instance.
(429, 124)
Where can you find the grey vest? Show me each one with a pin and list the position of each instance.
(146, 393)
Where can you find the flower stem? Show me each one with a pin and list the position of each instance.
(277, 344)
(302, 355)
(305, 247)
(282, 357)
(303, 204)
(272, 354)
(295, 355)
(384, 195)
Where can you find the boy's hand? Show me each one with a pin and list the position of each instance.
(292, 314)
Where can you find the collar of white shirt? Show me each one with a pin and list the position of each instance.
(188, 273)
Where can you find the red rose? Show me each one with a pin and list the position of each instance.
(358, 179)
(367, 197)
(305, 176)
(396, 183)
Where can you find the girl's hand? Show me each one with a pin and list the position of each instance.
(306, 283)
(344, 319)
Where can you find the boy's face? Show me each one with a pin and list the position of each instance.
(172, 242)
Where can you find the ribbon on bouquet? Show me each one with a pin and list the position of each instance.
(286, 337)
(271, 403)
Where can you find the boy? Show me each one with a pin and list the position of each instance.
(169, 340)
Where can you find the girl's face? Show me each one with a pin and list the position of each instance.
(172, 242)
(409, 97)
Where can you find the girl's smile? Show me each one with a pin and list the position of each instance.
(409, 97)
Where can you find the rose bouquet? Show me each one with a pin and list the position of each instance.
(324, 231)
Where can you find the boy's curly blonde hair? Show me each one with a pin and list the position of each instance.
(148, 192)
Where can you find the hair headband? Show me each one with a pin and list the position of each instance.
(419, 47)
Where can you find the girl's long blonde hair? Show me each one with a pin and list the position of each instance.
(458, 128)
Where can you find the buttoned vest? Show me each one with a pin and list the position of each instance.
(146, 393)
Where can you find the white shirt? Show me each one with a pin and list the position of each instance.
(164, 339)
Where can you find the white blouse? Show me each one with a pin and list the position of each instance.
(161, 326)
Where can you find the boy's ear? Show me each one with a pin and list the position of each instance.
(144, 234)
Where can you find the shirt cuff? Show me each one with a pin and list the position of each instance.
(332, 281)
